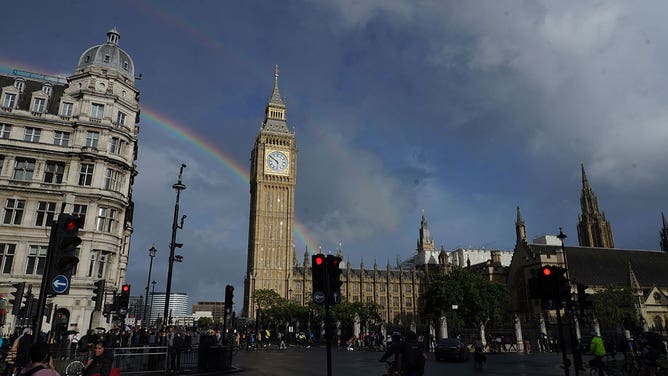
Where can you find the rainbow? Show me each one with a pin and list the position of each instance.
(207, 147)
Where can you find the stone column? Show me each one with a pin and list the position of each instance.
(518, 333)
(443, 327)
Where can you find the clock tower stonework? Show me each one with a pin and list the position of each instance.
(273, 176)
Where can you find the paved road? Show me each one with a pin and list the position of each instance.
(301, 361)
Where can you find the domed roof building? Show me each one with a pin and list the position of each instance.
(69, 145)
(108, 56)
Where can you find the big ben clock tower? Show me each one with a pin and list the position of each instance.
(273, 176)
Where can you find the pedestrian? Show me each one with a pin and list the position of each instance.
(597, 349)
(23, 344)
(175, 343)
(41, 363)
(101, 361)
(74, 342)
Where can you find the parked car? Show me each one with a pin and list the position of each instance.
(451, 348)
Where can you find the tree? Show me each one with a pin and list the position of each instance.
(616, 305)
(204, 322)
(265, 298)
(478, 300)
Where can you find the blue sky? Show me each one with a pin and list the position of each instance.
(462, 109)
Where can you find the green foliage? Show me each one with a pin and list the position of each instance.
(478, 300)
(615, 305)
(204, 322)
(265, 298)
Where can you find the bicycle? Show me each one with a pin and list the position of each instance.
(74, 368)
(610, 368)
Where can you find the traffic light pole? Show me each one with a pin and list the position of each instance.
(44, 286)
(327, 324)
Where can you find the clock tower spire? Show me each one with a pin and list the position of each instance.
(273, 174)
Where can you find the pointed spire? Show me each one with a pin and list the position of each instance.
(635, 285)
(593, 229)
(664, 234)
(585, 183)
(520, 228)
(276, 99)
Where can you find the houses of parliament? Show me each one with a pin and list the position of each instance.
(273, 263)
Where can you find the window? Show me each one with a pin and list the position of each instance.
(6, 257)
(45, 213)
(32, 134)
(106, 219)
(395, 288)
(409, 302)
(101, 264)
(80, 211)
(9, 100)
(382, 288)
(107, 58)
(117, 146)
(112, 180)
(24, 169)
(368, 288)
(36, 260)
(395, 302)
(54, 171)
(47, 88)
(38, 105)
(20, 84)
(120, 119)
(67, 109)
(5, 130)
(91, 138)
(86, 174)
(97, 111)
(61, 138)
(409, 288)
(382, 301)
(91, 264)
(14, 211)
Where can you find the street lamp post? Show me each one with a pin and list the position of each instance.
(152, 295)
(151, 253)
(178, 186)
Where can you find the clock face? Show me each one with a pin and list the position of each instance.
(277, 161)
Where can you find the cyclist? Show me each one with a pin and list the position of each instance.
(597, 349)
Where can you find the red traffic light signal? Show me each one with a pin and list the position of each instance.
(547, 271)
(334, 274)
(62, 249)
(318, 279)
(125, 288)
(229, 297)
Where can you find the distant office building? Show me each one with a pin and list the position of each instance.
(179, 305)
(217, 309)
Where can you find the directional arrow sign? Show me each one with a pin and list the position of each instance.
(60, 283)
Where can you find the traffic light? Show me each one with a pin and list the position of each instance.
(554, 287)
(18, 297)
(123, 301)
(65, 241)
(98, 294)
(229, 297)
(584, 301)
(318, 276)
(334, 273)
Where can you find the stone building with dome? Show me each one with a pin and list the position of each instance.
(69, 145)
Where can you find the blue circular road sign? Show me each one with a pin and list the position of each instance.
(59, 284)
